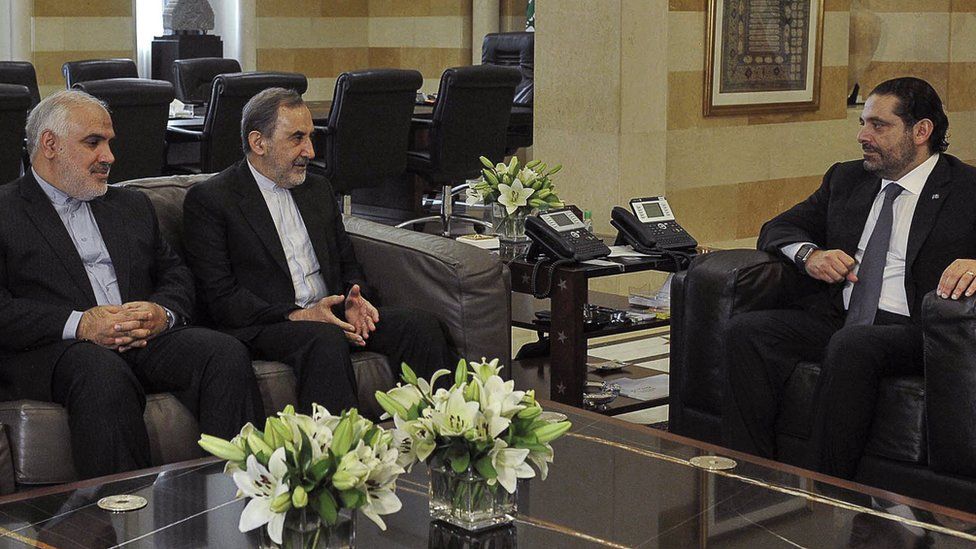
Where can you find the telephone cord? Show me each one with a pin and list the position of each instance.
(552, 273)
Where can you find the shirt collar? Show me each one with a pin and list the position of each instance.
(54, 194)
(914, 180)
(264, 183)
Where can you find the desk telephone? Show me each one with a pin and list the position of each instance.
(651, 227)
(559, 234)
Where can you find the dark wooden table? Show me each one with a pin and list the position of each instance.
(568, 336)
(612, 484)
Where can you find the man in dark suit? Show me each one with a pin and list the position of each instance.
(877, 235)
(92, 297)
(276, 268)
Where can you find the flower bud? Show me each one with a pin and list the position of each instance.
(299, 498)
(281, 503)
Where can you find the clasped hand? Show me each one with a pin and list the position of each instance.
(122, 327)
(361, 315)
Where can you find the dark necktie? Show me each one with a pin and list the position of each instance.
(867, 289)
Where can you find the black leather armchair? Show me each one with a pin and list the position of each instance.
(97, 69)
(194, 77)
(365, 140)
(140, 110)
(923, 439)
(220, 139)
(22, 73)
(470, 119)
(14, 106)
(514, 49)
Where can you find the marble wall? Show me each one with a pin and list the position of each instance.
(74, 30)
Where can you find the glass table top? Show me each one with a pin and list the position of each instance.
(612, 484)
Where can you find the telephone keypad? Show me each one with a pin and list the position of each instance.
(587, 245)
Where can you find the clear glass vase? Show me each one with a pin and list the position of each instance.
(304, 529)
(510, 229)
(467, 501)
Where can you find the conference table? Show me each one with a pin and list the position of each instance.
(613, 484)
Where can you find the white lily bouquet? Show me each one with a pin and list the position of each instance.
(322, 463)
(518, 190)
(481, 429)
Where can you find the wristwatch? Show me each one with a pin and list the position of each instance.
(803, 254)
(170, 318)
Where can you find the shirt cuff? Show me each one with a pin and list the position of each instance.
(71, 326)
(790, 249)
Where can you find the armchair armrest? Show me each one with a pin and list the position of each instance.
(466, 287)
(949, 329)
(716, 287)
(7, 479)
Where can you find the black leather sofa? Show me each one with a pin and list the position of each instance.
(466, 287)
(923, 438)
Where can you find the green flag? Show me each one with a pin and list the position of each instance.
(530, 16)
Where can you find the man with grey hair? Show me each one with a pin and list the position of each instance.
(277, 270)
(93, 301)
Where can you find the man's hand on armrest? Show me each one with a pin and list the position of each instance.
(959, 277)
(831, 266)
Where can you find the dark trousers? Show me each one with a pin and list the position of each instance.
(764, 349)
(104, 393)
(322, 357)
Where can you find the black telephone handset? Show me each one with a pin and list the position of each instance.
(560, 234)
(651, 227)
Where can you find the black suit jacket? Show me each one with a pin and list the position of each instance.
(943, 228)
(235, 253)
(42, 277)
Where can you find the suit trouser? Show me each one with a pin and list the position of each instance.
(764, 349)
(322, 357)
(104, 392)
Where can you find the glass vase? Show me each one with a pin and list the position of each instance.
(510, 229)
(304, 529)
(467, 501)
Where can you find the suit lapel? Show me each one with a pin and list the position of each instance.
(313, 211)
(255, 210)
(930, 201)
(115, 237)
(858, 208)
(51, 228)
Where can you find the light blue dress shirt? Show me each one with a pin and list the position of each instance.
(87, 238)
(303, 265)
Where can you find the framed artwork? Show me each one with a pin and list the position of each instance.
(762, 56)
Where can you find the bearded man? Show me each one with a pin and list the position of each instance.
(877, 235)
(276, 269)
(93, 301)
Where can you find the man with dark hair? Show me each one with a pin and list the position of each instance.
(92, 300)
(276, 268)
(877, 235)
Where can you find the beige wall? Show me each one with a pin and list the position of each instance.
(333, 36)
(64, 30)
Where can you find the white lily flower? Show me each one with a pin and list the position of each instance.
(353, 468)
(414, 440)
(510, 465)
(455, 416)
(514, 196)
(381, 502)
(501, 392)
(473, 197)
(527, 176)
(380, 485)
(542, 460)
(406, 395)
(483, 370)
(263, 486)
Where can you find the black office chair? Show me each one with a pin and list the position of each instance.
(97, 69)
(15, 103)
(22, 73)
(140, 111)
(194, 77)
(365, 141)
(469, 121)
(220, 139)
(514, 49)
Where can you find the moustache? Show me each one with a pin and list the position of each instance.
(300, 163)
(869, 148)
(101, 168)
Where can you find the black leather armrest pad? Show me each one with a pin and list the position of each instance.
(7, 480)
(950, 383)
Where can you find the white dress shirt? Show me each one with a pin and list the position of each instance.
(303, 265)
(893, 298)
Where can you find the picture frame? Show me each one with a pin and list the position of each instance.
(762, 56)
